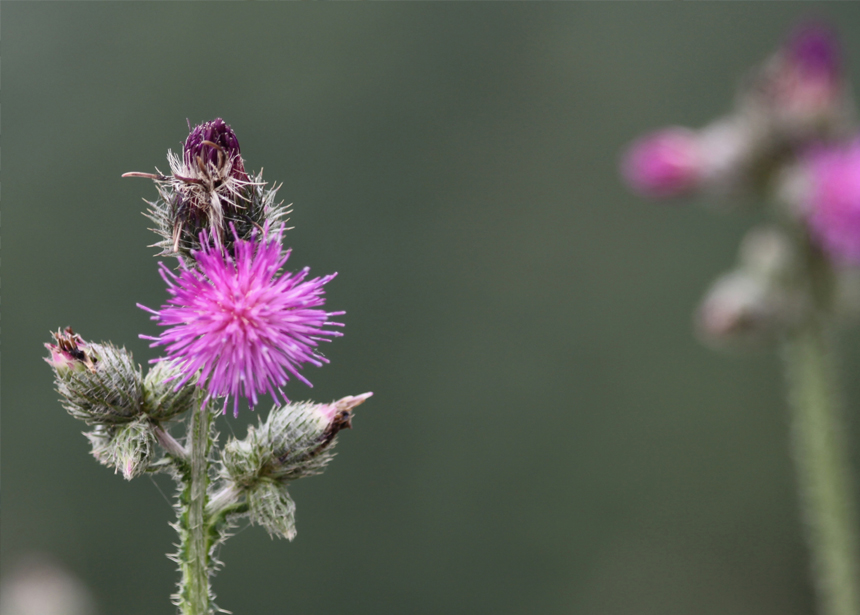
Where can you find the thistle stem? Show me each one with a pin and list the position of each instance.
(169, 443)
(194, 552)
(821, 457)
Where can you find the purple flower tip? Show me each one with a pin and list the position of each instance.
(69, 353)
(214, 143)
(245, 329)
(663, 164)
(833, 201)
(814, 49)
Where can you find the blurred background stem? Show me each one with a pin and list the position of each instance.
(820, 452)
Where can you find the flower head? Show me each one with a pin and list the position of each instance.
(245, 329)
(663, 164)
(833, 200)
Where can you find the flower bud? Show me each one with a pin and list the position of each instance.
(99, 383)
(271, 507)
(664, 164)
(800, 93)
(125, 448)
(808, 85)
(742, 309)
(213, 148)
(294, 441)
(209, 190)
(161, 398)
(69, 354)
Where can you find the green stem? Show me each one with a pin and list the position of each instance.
(194, 552)
(822, 460)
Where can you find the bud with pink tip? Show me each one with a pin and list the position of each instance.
(69, 354)
(664, 164)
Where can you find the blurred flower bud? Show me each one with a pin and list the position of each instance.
(800, 92)
(664, 164)
(208, 189)
(161, 399)
(743, 310)
(294, 441)
(766, 252)
(69, 353)
(729, 149)
(99, 383)
(832, 202)
(40, 586)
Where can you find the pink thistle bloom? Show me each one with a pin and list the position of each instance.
(833, 200)
(663, 164)
(241, 326)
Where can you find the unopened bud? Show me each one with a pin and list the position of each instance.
(742, 309)
(799, 93)
(99, 383)
(125, 448)
(69, 354)
(294, 441)
(161, 399)
(271, 507)
(213, 148)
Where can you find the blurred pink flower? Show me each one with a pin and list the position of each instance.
(663, 164)
(833, 200)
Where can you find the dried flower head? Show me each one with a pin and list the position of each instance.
(209, 179)
(208, 189)
(243, 327)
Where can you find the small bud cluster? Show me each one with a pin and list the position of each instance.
(101, 385)
(295, 441)
(789, 140)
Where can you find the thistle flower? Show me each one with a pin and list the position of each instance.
(244, 328)
(664, 163)
(833, 200)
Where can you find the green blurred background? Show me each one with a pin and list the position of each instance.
(546, 434)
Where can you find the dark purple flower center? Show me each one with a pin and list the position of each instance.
(214, 143)
(814, 49)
